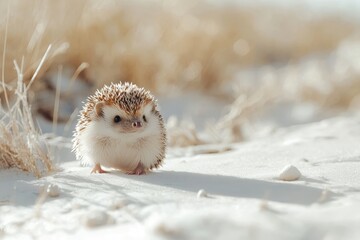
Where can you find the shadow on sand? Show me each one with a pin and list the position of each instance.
(235, 187)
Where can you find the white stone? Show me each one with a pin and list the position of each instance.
(202, 193)
(53, 190)
(289, 173)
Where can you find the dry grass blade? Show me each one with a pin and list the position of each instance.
(4, 59)
(38, 68)
(57, 99)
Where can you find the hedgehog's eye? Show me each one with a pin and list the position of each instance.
(117, 119)
(144, 118)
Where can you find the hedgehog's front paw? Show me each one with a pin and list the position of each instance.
(98, 169)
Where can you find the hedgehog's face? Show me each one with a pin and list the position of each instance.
(117, 121)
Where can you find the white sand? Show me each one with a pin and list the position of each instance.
(246, 201)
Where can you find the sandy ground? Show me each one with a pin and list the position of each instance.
(242, 196)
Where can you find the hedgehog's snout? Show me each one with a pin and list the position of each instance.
(137, 124)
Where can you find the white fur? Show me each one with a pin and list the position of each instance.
(100, 142)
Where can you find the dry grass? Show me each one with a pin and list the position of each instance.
(20, 143)
(243, 109)
(182, 134)
(330, 81)
(161, 45)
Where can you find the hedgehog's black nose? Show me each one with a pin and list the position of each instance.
(137, 124)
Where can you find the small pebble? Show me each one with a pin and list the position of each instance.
(325, 194)
(202, 193)
(97, 219)
(53, 190)
(118, 204)
(289, 173)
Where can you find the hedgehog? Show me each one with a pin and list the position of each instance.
(120, 127)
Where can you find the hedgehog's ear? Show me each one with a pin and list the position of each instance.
(99, 109)
(148, 108)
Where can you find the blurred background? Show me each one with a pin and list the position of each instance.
(223, 71)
